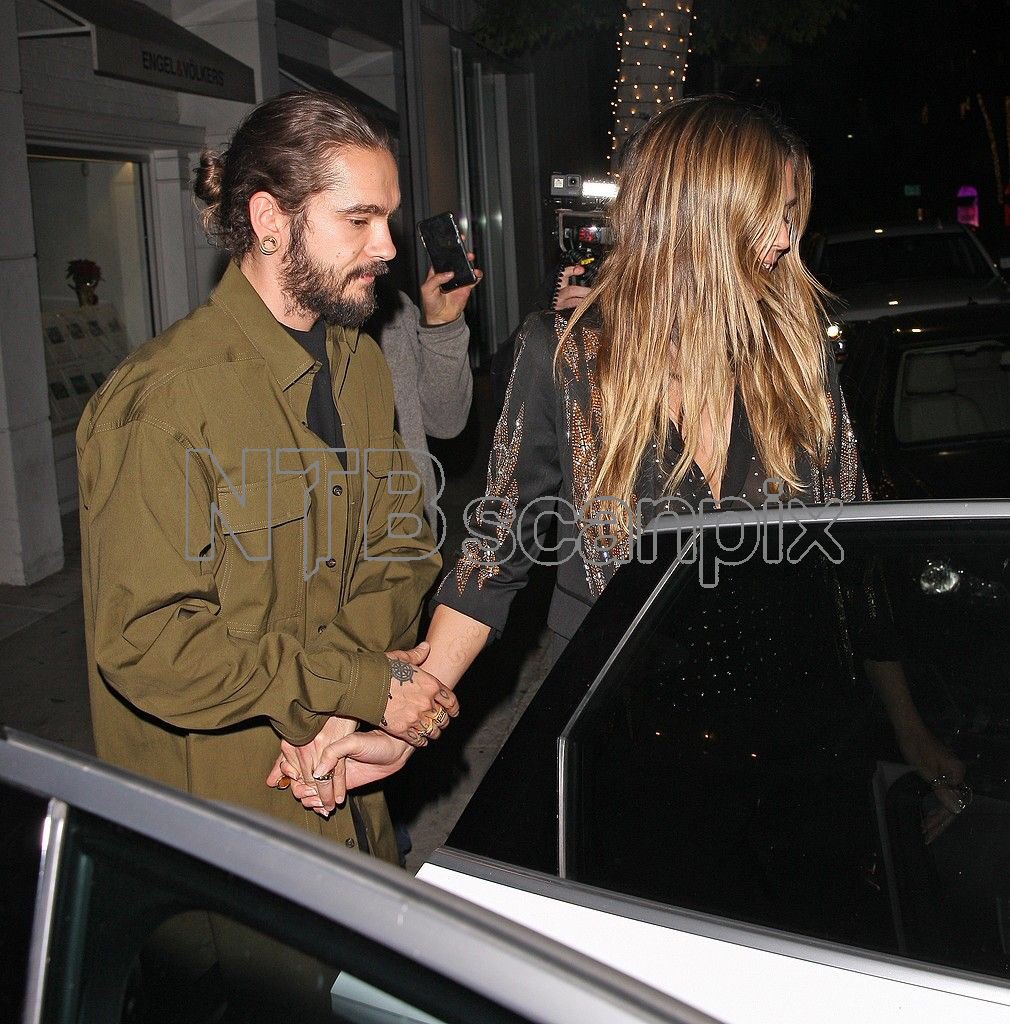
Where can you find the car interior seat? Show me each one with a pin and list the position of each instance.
(982, 372)
(929, 404)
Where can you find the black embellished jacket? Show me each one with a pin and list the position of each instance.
(542, 466)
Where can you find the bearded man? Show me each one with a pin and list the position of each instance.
(253, 538)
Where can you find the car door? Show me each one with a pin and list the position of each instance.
(783, 792)
(128, 903)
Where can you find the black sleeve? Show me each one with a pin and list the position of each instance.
(524, 466)
(502, 363)
(873, 632)
(504, 357)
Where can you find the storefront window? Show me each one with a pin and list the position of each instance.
(94, 282)
(93, 210)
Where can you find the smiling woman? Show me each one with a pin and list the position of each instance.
(695, 370)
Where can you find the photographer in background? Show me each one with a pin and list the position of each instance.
(583, 236)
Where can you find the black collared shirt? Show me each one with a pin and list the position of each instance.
(321, 415)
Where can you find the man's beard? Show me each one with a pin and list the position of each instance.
(312, 288)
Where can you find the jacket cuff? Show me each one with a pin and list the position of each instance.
(450, 332)
(366, 699)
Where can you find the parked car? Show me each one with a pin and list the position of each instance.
(929, 396)
(108, 880)
(885, 270)
(771, 773)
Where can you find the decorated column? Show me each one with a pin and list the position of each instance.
(654, 44)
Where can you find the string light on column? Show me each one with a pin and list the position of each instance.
(653, 44)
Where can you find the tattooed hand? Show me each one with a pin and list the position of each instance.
(400, 670)
(419, 705)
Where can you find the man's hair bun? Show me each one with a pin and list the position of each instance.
(207, 182)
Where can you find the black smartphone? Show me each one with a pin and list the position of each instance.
(445, 250)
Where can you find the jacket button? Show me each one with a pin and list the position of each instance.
(331, 563)
(321, 628)
(348, 842)
(337, 490)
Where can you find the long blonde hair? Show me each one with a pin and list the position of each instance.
(683, 293)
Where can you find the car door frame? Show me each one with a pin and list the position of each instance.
(506, 963)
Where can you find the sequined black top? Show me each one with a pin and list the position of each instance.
(544, 460)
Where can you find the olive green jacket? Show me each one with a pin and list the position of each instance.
(222, 610)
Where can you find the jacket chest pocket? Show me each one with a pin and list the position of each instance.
(261, 579)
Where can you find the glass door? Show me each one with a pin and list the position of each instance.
(94, 283)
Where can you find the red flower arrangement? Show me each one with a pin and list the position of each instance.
(85, 275)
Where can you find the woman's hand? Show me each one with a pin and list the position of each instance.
(298, 767)
(921, 749)
(941, 768)
(320, 789)
(354, 761)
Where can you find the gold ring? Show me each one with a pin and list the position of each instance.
(427, 728)
(328, 777)
(441, 718)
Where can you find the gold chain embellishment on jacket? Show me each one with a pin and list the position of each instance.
(852, 484)
(847, 483)
(824, 482)
(582, 423)
(481, 556)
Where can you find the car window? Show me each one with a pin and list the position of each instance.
(814, 747)
(953, 391)
(144, 934)
(24, 816)
(860, 372)
(885, 258)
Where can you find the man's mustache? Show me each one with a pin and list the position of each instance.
(376, 269)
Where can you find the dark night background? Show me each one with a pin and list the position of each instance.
(886, 98)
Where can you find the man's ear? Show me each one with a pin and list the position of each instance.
(268, 220)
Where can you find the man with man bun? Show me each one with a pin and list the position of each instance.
(254, 546)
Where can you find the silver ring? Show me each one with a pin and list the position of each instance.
(328, 777)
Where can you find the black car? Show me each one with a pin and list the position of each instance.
(878, 271)
(929, 397)
(770, 775)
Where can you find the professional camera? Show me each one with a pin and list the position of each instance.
(581, 228)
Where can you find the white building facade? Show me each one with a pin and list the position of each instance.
(106, 105)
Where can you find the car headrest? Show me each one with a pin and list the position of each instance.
(929, 375)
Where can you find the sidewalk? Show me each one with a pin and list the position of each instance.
(45, 689)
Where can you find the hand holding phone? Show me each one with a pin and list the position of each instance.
(446, 252)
